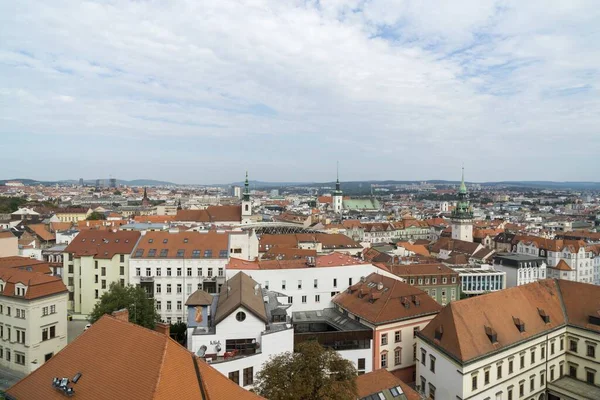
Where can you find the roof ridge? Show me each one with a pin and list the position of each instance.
(162, 363)
(388, 297)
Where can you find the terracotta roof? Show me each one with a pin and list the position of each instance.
(464, 322)
(38, 284)
(328, 241)
(330, 260)
(208, 244)
(118, 360)
(581, 300)
(388, 303)
(16, 261)
(6, 234)
(154, 219)
(238, 291)
(373, 255)
(382, 380)
(41, 231)
(211, 214)
(103, 244)
(287, 253)
(459, 246)
(60, 226)
(99, 224)
(405, 270)
(351, 223)
(562, 266)
(199, 298)
(415, 248)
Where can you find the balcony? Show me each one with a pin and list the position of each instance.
(146, 279)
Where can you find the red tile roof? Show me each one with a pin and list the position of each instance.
(382, 380)
(119, 360)
(330, 260)
(211, 214)
(103, 244)
(38, 284)
(42, 232)
(188, 241)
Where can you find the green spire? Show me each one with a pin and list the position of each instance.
(338, 190)
(246, 189)
(463, 187)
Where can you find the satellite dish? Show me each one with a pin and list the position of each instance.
(201, 351)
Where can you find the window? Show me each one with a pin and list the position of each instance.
(532, 356)
(423, 383)
(290, 299)
(316, 284)
(349, 281)
(510, 366)
(20, 358)
(299, 284)
(158, 288)
(431, 392)
(195, 253)
(180, 253)
(121, 270)
(560, 370)
(334, 282)
(397, 336)
(20, 336)
(432, 363)
(317, 298)
(210, 272)
(199, 271)
(397, 356)
(552, 373)
(573, 370)
(434, 281)
(138, 272)
(189, 272)
(384, 338)
(207, 253)
(267, 285)
(383, 360)
(248, 376)
(103, 283)
(474, 382)
(152, 253)
(522, 361)
(510, 393)
(423, 356)
(179, 288)
(283, 284)
(47, 333)
(486, 377)
(532, 383)
(139, 252)
(96, 294)
(103, 271)
(543, 352)
(590, 376)
(168, 306)
(303, 299)
(240, 316)
(361, 364)
(179, 305)
(499, 371)
(122, 258)
(168, 288)
(158, 305)
(221, 272)
(188, 289)
(222, 253)
(573, 346)
(562, 344)
(235, 376)
(412, 281)
(542, 379)
(168, 271)
(70, 266)
(52, 309)
(522, 388)
(591, 351)
(179, 271)
(158, 271)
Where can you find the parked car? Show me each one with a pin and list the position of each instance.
(87, 327)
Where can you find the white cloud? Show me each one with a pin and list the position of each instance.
(496, 84)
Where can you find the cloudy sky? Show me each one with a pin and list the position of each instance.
(199, 91)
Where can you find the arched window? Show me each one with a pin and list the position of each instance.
(246, 207)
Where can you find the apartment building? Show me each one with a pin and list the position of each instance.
(480, 279)
(437, 280)
(520, 269)
(307, 284)
(72, 214)
(322, 243)
(9, 244)
(33, 318)
(173, 265)
(395, 311)
(533, 341)
(91, 262)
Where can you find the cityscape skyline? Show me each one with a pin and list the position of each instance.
(380, 86)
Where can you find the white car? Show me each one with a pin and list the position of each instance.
(87, 327)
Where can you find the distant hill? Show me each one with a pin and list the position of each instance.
(91, 182)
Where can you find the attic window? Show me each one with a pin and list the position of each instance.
(416, 300)
(83, 240)
(164, 252)
(544, 316)
(151, 252)
(165, 241)
(150, 240)
(116, 240)
(405, 302)
(593, 319)
(491, 334)
(139, 252)
(439, 332)
(185, 240)
(180, 253)
(519, 324)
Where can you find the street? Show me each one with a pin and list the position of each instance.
(74, 329)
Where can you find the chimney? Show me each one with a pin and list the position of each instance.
(163, 328)
(121, 315)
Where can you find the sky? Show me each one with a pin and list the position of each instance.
(200, 91)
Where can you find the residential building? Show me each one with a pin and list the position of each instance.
(533, 341)
(307, 284)
(323, 243)
(480, 279)
(395, 311)
(72, 214)
(91, 262)
(9, 244)
(173, 265)
(462, 215)
(33, 317)
(383, 385)
(239, 329)
(115, 359)
(437, 280)
(520, 269)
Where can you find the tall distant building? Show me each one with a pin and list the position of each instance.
(462, 215)
(237, 192)
(246, 203)
(80, 181)
(338, 195)
(97, 183)
(112, 183)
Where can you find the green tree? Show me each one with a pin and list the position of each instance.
(94, 216)
(117, 192)
(142, 310)
(310, 373)
(179, 332)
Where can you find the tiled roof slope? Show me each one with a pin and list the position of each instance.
(103, 244)
(38, 284)
(186, 241)
(242, 293)
(382, 380)
(464, 322)
(211, 214)
(120, 360)
(383, 306)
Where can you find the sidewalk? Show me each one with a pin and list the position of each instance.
(9, 377)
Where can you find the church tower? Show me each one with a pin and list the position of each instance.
(462, 215)
(338, 195)
(145, 199)
(246, 203)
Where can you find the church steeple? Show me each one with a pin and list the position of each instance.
(462, 215)
(246, 196)
(246, 203)
(145, 199)
(338, 195)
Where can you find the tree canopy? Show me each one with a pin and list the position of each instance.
(142, 310)
(94, 216)
(310, 373)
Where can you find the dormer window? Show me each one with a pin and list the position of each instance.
(544, 315)
(491, 334)
(519, 324)
(439, 332)
(20, 290)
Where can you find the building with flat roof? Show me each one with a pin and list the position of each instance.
(480, 279)
(520, 268)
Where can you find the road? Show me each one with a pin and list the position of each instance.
(74, 329)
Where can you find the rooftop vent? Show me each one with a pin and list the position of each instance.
(439, 332)
(62, 384)
(380, 286)
(519, 324)
(595, 319)
(374, 296)
(544, 316)
(416, 300)
(491, 334)
(363, 279)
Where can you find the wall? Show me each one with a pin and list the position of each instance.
(9, 246)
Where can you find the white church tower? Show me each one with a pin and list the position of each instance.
(246, 203)
(338, 195)
(462, 215)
